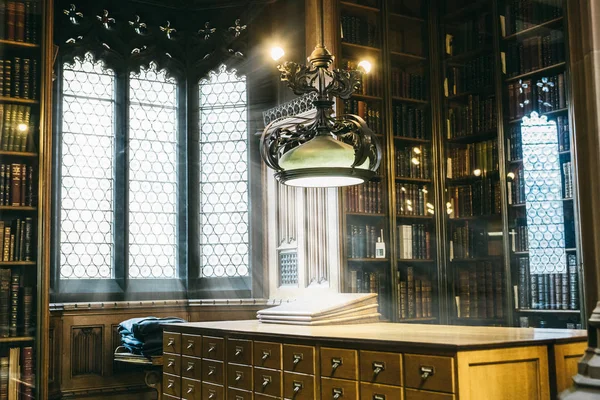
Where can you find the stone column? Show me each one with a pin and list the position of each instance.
(584, 53)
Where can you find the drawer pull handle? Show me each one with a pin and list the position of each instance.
(338, 393)
(170, 385)
(171, 363)
(266, 354)
(335, 363)
(212, 395)
(238, 351)
(378, 367)
(238, 397)
(211, 370)
(171, 342)
(379, 397)
(266, 381)
(239, 376)
(190, 389)
(426, 372)
(212, 347)
(190, 367)
(297, 387)
(297, 358)
(190, 345)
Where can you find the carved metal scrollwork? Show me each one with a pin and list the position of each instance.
(73, 14)
(105, 19)
(300, 78)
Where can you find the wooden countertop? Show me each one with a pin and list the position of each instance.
(450, 337)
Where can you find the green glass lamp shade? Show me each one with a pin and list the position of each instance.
(322, 162)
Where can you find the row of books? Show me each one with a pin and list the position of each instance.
(537, 322)
(567, 181)
(362, 240)
(473, 75)
(470, 241)
(473, 159)
(18, 78)
(365, 198)
(470, 34)
(414, 242)
(371, 82)
(359, 30)
(16, 305)
(16, 240)
(19, 20)
(480, 198)
(516, 187)
(367, 282)
(519, 239)
(16, 374)
(524, 14)
(478, 115)
(16, 185)
(413, 162)
(407, 85)
(409, 122)
(552, 291)
(546, 94)
(415, 296)
(534, 53)
(413, 200)
(515, 143)
(480, 289)
(370, 112)
(17, 125)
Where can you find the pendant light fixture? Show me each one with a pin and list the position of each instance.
(321, 151)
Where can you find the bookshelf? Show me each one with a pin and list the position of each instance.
(532, 45)
(23, 74)
(449, 106)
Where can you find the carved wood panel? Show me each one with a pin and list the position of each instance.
(86, 350)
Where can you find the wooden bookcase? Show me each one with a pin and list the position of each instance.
(454, 56)
(24, 159)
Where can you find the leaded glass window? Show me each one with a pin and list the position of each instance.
(87, 182)
(152, 174)
(223, 175)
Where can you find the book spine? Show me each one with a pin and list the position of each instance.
(16, 185)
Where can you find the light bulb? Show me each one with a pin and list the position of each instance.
(416, 150)
(276, 53)
(22, 127)
(477, 172)
(366, 66)
(415, 161)
(511, 175)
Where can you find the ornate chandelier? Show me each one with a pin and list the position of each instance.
(324, 150)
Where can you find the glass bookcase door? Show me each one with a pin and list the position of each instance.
(413, 207)
(366, 252)
(540, 190)
(473, 209)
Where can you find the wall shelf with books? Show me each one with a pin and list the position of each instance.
(25, 85)
(546, 293)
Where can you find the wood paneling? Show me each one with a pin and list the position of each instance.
(86, 350)
(566, 357)
(501, 374)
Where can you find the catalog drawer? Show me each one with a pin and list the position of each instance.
(212, 392)
(234, 394)
(375, 391)
(191, 367)
(190, 389)
(172, 364)
(191, 345)
(338, 389)
(171, 385)
(339, 363)
(239, 351)
(298, 386)
(239, 376)
(267, 355)
(380, 367)
(413, 394)
(429, 372)
(213, 348)
(171, 342)
(212, 371)
(267, 381)
(299, 359)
